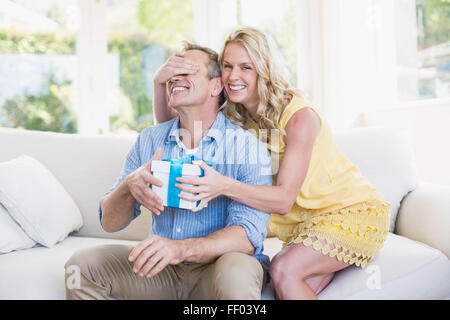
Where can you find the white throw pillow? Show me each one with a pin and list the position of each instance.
(12, 237)
(37, 201)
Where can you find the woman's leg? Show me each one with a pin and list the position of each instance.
(300, 272)
(320, 282)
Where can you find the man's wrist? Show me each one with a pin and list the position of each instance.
(187, 248)
(228, 186)
(126, 186)
(125, 191)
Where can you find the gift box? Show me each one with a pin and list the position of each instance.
(167, 170)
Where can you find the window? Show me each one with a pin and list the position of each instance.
(276, 18)
(87, 66)
(38, 64)
(424, 50)
(142, 34)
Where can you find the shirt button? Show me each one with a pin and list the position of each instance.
(178, 229)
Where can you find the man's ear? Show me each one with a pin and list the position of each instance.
(217, 87)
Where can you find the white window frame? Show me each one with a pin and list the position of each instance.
(207, 23)
(91, 83)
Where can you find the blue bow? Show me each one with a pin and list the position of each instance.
(176, 169)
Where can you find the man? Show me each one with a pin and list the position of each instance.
(215, 253)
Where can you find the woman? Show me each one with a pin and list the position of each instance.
(326, 213)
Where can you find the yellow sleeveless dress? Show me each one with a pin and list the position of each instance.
(337, 211)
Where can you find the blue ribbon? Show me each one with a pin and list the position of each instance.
(176, 170)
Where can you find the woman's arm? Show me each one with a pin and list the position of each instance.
(301, 132)
(176, 64)
(161, 111)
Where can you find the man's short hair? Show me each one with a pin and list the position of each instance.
(212, 66)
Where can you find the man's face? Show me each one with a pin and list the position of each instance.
(191, 89)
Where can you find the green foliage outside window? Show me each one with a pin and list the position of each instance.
(51, 109)
(434, 22)
(135, 108)
(168, 22)
(47, 111)
(36, 43)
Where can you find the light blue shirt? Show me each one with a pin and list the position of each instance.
(235, 152)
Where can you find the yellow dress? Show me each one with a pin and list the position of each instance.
(337, 211)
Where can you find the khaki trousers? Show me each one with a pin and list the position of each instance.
(104, 272)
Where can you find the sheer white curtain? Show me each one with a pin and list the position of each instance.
(208, 18)
(347, 56)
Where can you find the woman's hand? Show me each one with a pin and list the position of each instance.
(175, 65)
(212, 185)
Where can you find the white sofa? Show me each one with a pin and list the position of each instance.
(413, 263)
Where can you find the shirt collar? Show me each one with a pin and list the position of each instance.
(174, 131)
(215, 132)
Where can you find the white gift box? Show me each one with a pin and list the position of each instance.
(161, 170)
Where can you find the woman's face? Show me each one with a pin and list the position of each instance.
(239, 76)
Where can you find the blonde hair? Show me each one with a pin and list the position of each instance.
(273, 88)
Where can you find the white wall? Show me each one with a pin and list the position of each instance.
(428, 124)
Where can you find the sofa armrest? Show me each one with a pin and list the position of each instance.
(424, 216)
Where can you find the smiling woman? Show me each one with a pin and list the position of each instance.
(240, 76)
(265, 89)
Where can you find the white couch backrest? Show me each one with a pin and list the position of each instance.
(385, 156)
(87, 166)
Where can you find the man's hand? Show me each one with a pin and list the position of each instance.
(153, 254)
(138, 184)
(175, 65)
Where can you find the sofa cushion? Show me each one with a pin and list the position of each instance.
(37, 201)
(385, 156)
(12, 237)
(38, 273)
(86, 165)
(407, 269)
(425, 216)
(403, 269)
